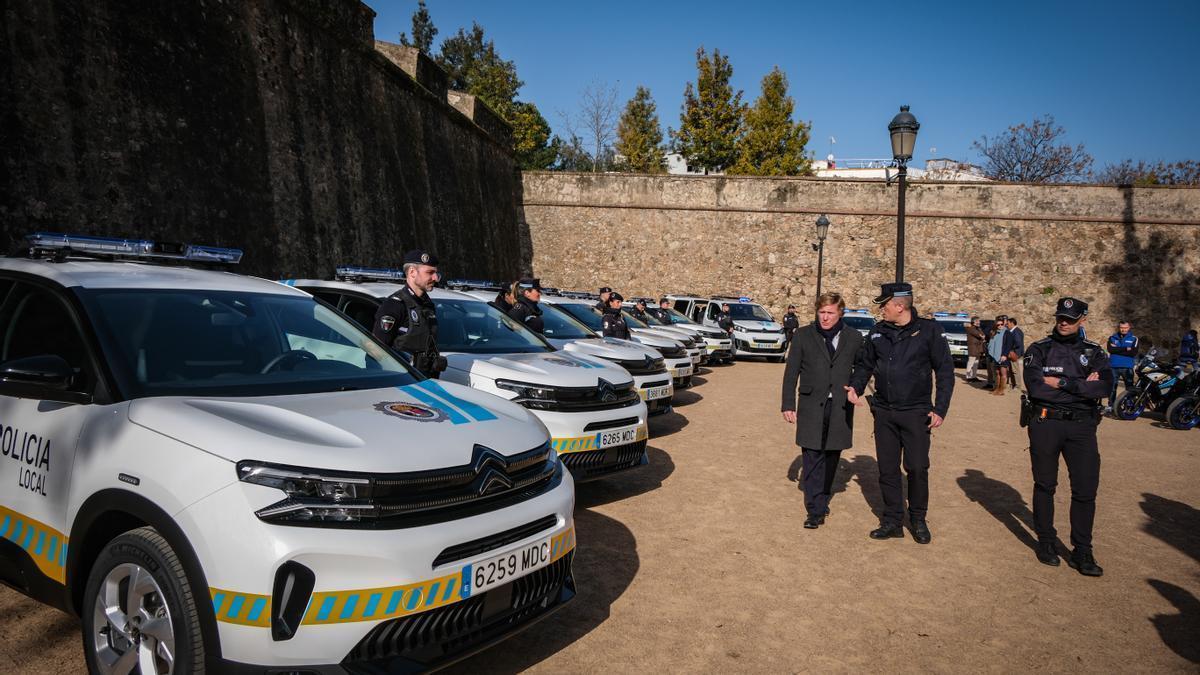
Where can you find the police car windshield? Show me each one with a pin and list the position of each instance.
(174, 342)
(858, 321)
(746, 311)
(585, 314)
(953, 326)
(562, 326)
(475, 327)
(652, 320)
(676, 317)
(632, 322)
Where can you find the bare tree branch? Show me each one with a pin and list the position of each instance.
(1031, 153)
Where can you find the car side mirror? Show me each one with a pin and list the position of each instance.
(45, 370)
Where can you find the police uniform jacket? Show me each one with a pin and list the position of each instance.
(640, 316)
(501, 303)
(900, 358)
(1072, 358)
(791, 323)
(660, 314)
(725, 321)
(813, 380)
(1122, 350)
(613, 324)
(528, 314)
(407, 322)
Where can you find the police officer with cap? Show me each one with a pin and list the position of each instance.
(902, 351)
(724, 320)
(407, 320)
(526, 310)
(639, 311)
(791, 323)
(1067, 378)
(602, 303)
(613, 323)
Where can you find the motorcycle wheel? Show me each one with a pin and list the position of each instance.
(1183, 413)
(1128, 407)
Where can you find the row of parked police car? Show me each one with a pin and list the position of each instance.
(216, 471)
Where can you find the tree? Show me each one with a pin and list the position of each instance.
(773, 145)
(571, 155)
(1158, 173)
(422, 28)
(531, 138)
(595, 122)
(1033, 153)
(711, 120)
(639, 135)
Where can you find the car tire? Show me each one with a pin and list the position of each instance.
(140, 567)
(1127, 406)
(1182, 414)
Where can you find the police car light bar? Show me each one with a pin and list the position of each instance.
(131, 248)
(352, 273)
(473, 285)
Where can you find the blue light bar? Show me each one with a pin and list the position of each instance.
(216, 254)
(369, 273)
(743, 299)
(131, 248)
(941, 313)
(476, 284)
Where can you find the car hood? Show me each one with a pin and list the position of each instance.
(656, 341)
(757, 325)
(606, 348)
(661, 333)
(559, 369)
(425, 425)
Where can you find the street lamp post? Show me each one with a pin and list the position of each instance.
(903, 129)
(822, 232)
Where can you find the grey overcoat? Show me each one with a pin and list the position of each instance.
(812, 374)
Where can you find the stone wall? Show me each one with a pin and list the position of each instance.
(982, 248)
(270, 125)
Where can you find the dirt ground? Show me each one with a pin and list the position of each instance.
(698, 562)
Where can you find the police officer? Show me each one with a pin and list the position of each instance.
(602, 303)
(613, 323)
(639, 311)
(407, 320)
(901, 351)
(790, 323)
(724, 320)
(505, 298)
(526, 310)
(1067, 377)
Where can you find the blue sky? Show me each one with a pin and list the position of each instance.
(1121, 77)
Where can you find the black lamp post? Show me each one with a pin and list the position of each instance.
(822, 232)
(903, 129)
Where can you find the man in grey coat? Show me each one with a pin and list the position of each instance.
(819, 363)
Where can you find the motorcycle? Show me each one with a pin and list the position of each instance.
(1156, 386)
(1184, 412)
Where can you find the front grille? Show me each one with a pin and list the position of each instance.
(646, 366)
(610, 424)
(656, 383)
(433, 637)
(482, 545)
(596, 463)
(586, 399)
(672, 352)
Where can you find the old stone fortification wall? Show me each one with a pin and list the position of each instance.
(271, 125)
(983, 248)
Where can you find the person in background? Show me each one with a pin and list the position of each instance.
(724, 320)
(639, 311)
(602, 303)
(996, 356)
(790, 324)
(1189, 350)
(1014, 352)
(613, 322)
(527, 311)
(505, 298)
(1122, 354)
(976, 349)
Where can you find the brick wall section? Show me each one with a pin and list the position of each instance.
(272, 125)
(983, 248)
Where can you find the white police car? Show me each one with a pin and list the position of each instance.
(596, 418)
(755, 331)
(691, 343)
(217, 472)
(860, 320)
(717, 342)
(954, 325)
(565, 332)
(675, 354)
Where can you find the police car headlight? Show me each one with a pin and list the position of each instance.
(311, 497)
(530, 395)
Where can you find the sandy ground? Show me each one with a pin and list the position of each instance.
(698, 562)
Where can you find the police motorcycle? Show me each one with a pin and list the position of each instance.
(595, 415)
(1184, 412)
(1155, 388)
(565, 332)
(215, 471)
(674, 352)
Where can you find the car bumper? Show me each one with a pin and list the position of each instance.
(576, 437)
(756, 347)
(362, 578)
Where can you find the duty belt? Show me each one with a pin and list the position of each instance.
(1042, 412)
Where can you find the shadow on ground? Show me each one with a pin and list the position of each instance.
(626, 484)
(685, 397)
(1181, 631)
(1002, 501)
(1175, 523)
(667, 424)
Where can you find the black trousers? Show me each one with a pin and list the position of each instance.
(819, 468)
(902, 437)
(1076, 442)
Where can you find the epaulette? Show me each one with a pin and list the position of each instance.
(1043, 341)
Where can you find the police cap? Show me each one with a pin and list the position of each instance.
(616, 296)
(1072, 308)
(419, 257)
(530, 284)
(897, 289)
(605, 289)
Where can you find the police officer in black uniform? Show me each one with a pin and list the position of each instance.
(526, 310)
(790, 324)
(724, 320)
(639, 311)
(505, 298)
(407, 320)
(1067, 378)
(613, 323)
(662, 312)
(602, 303)
(901, 351)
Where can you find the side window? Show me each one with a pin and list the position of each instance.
(328, 296)
(36, 322)
(681, 306)
(713, 310)
(361, 312)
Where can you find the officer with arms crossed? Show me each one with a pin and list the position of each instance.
(407, 320)
(1122, 355)
(901, 352)
(613, 323)
(526, 310)
(1067, 377)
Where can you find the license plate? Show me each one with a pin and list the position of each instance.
(682, 372)
(505, 567)
(607, 439)
(696, 360)
(656, 393)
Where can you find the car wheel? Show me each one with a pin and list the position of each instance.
(1128, 407)
(1182, 413)
(139, 610)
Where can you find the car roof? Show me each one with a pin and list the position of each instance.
(119, 274)
(377, 289)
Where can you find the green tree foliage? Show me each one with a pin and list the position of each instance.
(639, 136)
(422, 28)
(1143, 173)
(531, 137)
(710, 123)
(572, 156)
(773, 145)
